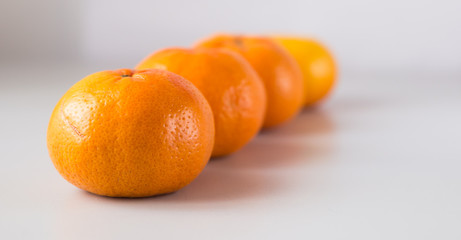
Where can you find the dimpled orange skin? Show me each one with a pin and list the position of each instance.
(131, 134)
(317, 65)
(234, 90)
(279, 72)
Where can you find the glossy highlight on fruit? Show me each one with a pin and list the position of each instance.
(232, 87)
(278, 70)
(127, 133)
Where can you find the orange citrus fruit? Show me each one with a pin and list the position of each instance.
(234, 90)
(316, 63)
(278, 70)
(131, 133)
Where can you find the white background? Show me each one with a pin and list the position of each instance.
(379, 160)
(364, 34)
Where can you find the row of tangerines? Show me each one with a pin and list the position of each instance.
(150, 131)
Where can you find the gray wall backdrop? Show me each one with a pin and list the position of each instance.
(366, 35)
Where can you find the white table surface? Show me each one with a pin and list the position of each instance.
(380, 160)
